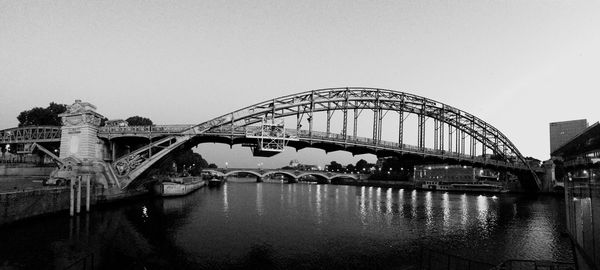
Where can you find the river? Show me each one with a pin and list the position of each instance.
(243, 225)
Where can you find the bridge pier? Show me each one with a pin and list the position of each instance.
(82, 153)
(549, 176)
(259, 179)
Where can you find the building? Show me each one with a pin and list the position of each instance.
(580, 160)
(296, 165)
(562, 132)
(116, 123)
(453, 174)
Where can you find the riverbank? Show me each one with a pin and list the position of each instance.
(20, 169)
(377, 183)
(24, 204)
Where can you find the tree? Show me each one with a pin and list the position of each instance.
(182, 161)
(188, 160)
(139, 121)
(39, 116)
(335, 167)
(350, 168)
(362, 164)
(212, 166)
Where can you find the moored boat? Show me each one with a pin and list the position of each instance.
(215, 181)
(179, 186)
(481, 187)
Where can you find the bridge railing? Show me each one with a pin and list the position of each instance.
(30, 134)
(319, 135)
(163, 129)
(581, 161)
(404, 147)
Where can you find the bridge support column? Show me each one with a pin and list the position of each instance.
(113, 151)
(259, 179)
(400, 129)
(355, 123)
(329, 115)
(462, 142)
(79, 134)
(421, 135)
(81, 151)
(549, 176)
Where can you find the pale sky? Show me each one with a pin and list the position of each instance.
(517, 64)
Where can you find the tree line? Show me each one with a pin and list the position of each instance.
(49, 116)
(390, 169)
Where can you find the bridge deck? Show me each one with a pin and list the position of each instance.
(316, 136)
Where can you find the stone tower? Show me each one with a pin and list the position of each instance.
(79, 135)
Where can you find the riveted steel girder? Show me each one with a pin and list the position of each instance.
(459, 123)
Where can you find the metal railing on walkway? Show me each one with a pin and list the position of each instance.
(534, 265)
(436, 260)
(84, 263)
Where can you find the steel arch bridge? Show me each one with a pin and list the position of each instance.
(454, 131)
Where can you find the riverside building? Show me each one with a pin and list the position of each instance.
(580, 158)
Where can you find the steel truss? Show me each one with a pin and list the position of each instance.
(34, 134)
(456, 123)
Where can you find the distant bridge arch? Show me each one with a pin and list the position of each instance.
(293, 174)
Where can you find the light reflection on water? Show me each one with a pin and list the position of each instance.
(259, 198)
(428, 209)
(482, 211)
(446, 209)
(318, 206)
(464, 206)
(225, 201)
(280, 226)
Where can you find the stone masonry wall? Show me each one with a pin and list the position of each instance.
(19, 205)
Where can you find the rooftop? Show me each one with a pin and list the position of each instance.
(586, 141)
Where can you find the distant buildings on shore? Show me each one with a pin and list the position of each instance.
(578, 160)
(564, 131)
(295, 164)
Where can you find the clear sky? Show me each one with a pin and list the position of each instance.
(516, 64)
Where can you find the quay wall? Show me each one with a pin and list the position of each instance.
(25, 170)
(25, 204)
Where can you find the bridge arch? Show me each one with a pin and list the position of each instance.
(459, 125)
(230, 173)
(346, 176)
(316, 174)
(291, 175)
(375, 99)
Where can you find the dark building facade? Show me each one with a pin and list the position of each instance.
(580, 160)
(562, 132)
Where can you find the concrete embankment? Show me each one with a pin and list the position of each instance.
(25, 170)
(24, 204)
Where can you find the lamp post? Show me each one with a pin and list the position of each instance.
(445, 173)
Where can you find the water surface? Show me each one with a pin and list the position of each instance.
(294, 226)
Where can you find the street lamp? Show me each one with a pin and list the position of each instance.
(226, 164)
